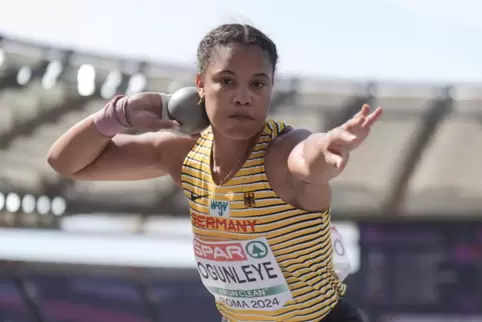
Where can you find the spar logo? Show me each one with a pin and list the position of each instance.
(220, 252)
(257, 249)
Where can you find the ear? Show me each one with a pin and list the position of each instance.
(200, 85)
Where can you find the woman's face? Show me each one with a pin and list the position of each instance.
(237, 86)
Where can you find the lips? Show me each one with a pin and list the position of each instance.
(241, 117)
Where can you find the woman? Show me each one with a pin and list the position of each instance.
(258, 189)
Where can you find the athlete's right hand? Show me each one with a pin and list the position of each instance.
(144, 110)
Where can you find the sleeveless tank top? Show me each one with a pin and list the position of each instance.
(261, 258)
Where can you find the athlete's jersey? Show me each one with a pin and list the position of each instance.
(262, 259)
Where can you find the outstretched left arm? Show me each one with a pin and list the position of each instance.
(321, 157)
(313, 159)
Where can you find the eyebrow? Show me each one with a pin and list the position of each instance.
(227, 71)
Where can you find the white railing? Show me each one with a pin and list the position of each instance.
(155, 249)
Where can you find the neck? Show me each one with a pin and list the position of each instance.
(228, 155)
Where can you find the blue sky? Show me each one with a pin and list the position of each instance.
(413, 40)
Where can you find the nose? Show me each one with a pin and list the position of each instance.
(242, 97)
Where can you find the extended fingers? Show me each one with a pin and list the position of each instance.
(373, 117)
(363, 119)
(364, 111)
(356, 122)
(340, 136)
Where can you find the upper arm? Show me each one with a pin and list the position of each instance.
(286, 177)
(135, 157)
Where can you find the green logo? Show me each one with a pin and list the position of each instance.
(257, 249)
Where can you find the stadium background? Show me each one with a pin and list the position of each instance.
(408, 205)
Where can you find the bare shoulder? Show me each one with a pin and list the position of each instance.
(172, 149)
(286, 185)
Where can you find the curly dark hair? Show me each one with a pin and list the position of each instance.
(234, 33)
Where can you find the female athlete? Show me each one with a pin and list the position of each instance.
(258, 190)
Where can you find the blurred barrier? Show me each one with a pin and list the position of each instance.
(170, 250)
(96, 249)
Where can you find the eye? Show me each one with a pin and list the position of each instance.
(259, 84)
(227, 81)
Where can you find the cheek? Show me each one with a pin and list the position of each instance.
(210, 109)
(214, 92)
(211, 99)
(214, 111)
(215, 101)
